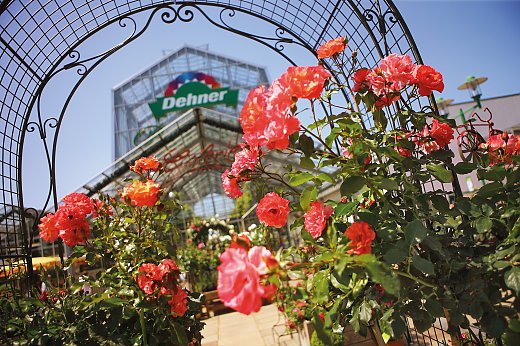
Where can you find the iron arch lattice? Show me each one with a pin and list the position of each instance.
(41, 40)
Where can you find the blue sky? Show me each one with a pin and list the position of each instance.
(458, 38)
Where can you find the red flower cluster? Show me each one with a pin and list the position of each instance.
(266, 116)
(316, 218)
(142, 194)
(69, 222)
(434, 137)
(331, 47)
(162, 279)
(267, 119)
(150, 163)
(501, 147)
(361, 235)
(394, 73)
(273, 210)
(239, 278)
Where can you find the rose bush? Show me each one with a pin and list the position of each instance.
(136, 297)
(390, 245)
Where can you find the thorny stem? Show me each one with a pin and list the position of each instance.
(276, 177)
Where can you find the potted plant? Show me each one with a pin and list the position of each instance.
(391, 245)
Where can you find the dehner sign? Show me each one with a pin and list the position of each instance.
(193, 94)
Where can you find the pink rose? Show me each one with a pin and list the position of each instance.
(239, 284)
(397, 70)
(316, 218)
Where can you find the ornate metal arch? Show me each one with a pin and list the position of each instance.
(43, 40)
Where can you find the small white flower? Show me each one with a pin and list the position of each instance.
(231, 232)
(252, 227)
(44, 287)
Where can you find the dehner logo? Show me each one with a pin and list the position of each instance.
(192, 89)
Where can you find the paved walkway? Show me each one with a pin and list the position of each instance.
(258, 329)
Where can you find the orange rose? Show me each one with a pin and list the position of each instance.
(150, 163)
(331, 47)
(142, 194)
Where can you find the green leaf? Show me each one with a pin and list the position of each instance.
(321, 287)
(345, 208)
(380, 119)
(434, 308)
(351, 185)
(306, 163)
(395, 255)
(423, 265)
(489, 190)
(365, 312)
(483, 224)
(323, 333)
(384, 276)
(306, 236)
(332, 136)
(495, 173)
(441, 173)
(440, 203)
(415, 232)
(326, 177)
(307, 145)
(388, 184)
(308, 195)
(464, 167)
(512, 279)
(300, 178)
(182, 339)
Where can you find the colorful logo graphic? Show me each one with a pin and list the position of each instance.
(192, 89)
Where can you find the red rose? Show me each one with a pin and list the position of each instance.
(387, 99)
(360, 79)
(252, 116)
(427, 79)
(230, 185)
(48, 230)
(142, 194)
(178, 302)
(331, 47)
(150, 163)
(81, 201)
(501, 147)
(72, 224)
(273, 210)
(361, 235)
(441, 132)
(305, 81)
(316, 218)
(266, 117)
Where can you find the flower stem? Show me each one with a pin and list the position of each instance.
(416, 279)
(143, 327)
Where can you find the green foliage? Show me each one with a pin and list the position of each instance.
(117, 312)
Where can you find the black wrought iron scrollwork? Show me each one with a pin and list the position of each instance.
(50, 123)
(378, 17)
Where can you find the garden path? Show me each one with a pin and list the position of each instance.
(264, 328)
